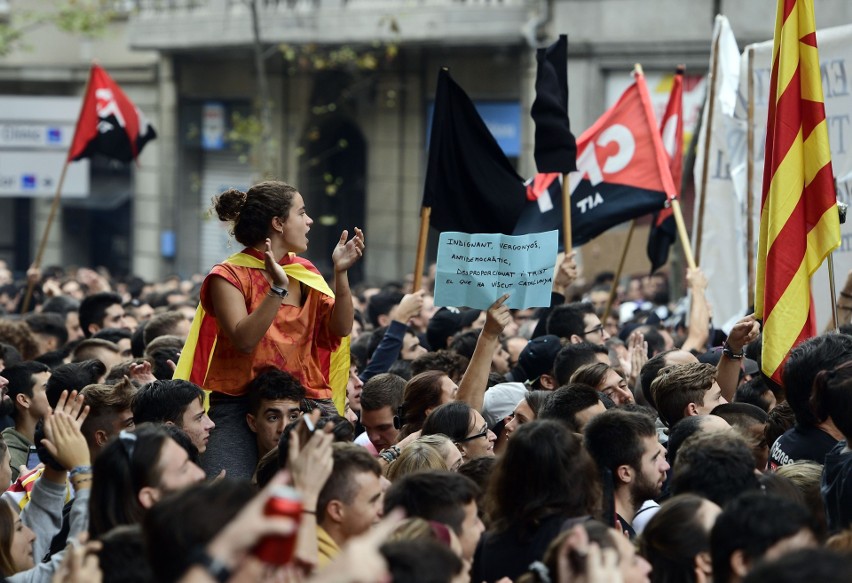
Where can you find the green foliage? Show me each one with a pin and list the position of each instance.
(88, 18)
(247, 137)
(353, 59)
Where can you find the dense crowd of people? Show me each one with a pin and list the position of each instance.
(265, 422)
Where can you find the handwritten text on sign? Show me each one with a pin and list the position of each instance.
(474, 270)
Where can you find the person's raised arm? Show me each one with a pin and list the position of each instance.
(728, 369)
(699, 312)
(310, 467)
(245, 330)
(475, 379)
(387, 351)
(344, 256)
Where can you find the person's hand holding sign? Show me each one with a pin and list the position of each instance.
(497, 317)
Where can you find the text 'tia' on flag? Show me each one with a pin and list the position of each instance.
(622, 173)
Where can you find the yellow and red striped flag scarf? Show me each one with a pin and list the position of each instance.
(799, 224)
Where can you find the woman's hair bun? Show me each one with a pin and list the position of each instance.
(229, 204)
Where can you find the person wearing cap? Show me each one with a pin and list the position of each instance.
(535, 364)
(498, 406)
(446, 323)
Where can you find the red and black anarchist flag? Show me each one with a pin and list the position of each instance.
(663, 231)
(622, 173)
(109, 123)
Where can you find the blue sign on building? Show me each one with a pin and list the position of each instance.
(28, 181)
(54, 135)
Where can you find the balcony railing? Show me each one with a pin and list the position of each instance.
(189, 24)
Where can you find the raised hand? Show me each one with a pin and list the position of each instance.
(276, 273)
(566, 273)
(497, 316)
(408, 308)
(64, 440)
(745, 331)
(142, 372)
(347, 253)
(311, 465)
(74, 406)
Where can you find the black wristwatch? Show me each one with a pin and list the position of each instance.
(281, 292)
(214, 567)
(726, 350)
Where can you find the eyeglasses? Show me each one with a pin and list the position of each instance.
(477, 436)
(599, 328)
(128, 443)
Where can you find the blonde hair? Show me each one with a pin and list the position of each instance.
(841, 542)
(416, 457)
(439, 441)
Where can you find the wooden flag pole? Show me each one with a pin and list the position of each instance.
(425, 213)
(750, 178)
(56, 198)
(566, 215)
(833, 292)
(684, 236)
(37, 263)
(711, 100)
(611, 299)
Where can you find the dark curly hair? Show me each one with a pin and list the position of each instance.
(250, 212)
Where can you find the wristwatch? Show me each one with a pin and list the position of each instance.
(281, 292)
(214, 567)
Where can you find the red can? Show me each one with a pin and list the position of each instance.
(278, 550)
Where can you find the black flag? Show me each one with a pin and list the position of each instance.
(555, 146)
(470, 184)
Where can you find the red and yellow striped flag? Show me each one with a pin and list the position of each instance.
(799, 224)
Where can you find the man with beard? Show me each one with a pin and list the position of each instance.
(624, 445)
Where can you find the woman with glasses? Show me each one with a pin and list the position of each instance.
(132, 473)
(465, 426)
(266, 307)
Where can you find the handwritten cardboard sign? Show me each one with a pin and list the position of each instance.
(474, 270)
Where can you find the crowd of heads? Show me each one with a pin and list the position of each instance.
(577, 433)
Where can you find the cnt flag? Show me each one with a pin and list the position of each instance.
(555, 146)
(622, 173)
(799, 222)
(470, 184)
(663, 231)
(109, 123)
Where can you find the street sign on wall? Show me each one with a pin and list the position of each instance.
(35, 133)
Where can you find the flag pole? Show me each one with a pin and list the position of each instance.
(682, 234)
(425, 213)
(750, 177)
(711, 99)
(55, 205)
(833, 292)
(566, 215)
(37, 263)
(676, 210)
(611, 299)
